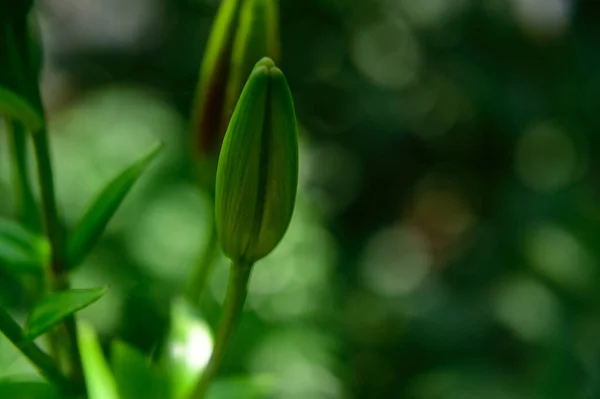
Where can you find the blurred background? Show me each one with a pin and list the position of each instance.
(447, 235)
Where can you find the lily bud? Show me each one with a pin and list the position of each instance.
(244, 32)
(257, 174)
(256, 37)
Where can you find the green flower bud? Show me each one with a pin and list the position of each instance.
(256, 37)
(257, 174)
(244, 32)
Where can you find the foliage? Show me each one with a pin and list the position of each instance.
(443, 244)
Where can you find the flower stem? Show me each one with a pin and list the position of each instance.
(44, 363)
(235, 298)
(54, 230)
(25, 204)
(201, 273)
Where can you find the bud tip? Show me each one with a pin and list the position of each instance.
(265, 62)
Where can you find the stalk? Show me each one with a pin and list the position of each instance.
(26, 78)
(197, 283)
(54, 230)
(44, 363)
(25, 204)
(237, 290)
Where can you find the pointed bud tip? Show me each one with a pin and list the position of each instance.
(265, 62)
(267, 67)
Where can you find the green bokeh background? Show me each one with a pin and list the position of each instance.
(445, 243)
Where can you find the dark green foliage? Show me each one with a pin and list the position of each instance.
(450, 248)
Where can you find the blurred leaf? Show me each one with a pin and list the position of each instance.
(21, 250)
(13, 106)
(189, 346)
(13, 364)
(242, 388)
(14, 388)
(145, 315)
(56, 307)
(90, 227)
(99, 380)
(135, 376)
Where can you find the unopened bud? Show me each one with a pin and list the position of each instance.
(257, 173)
(244, 32)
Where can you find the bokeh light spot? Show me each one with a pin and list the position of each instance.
(396, 262)
(330, 175)
(171, 232)
(196, 350)
(528, 308)
(300, 361)
(387, 53)
(291, 283)
(546, 158)
(542, 19)
(559, 255)
(189, 347)
(103, 133)
(432, 13)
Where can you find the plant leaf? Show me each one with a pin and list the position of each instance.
(91, 225)
(27, 389)
(56, 307)
(99, 380)
(21, 250)
(13, 106)
(135, 376)
(14, 365)
(187, 350)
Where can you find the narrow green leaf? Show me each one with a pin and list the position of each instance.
(99, 380)
(14, 364)
(135, 376)
(21, 250)
(91, 225)
(13, 106)
(56, 307)
(27, 389)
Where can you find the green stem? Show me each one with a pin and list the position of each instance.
(55, 233)
(51, 219)
(197, 283)
(39, 358)
(235, 298)
(25, 204)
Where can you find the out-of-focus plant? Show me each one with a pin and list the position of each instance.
(240, 91)
(244, 31)
(52, 253)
